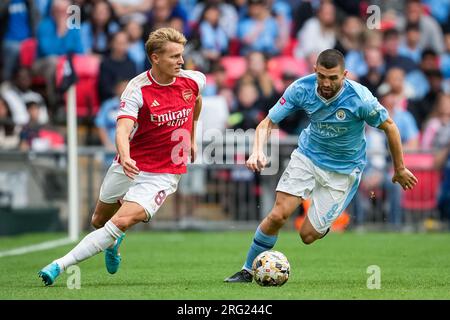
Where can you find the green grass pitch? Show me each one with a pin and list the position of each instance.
(192, 265)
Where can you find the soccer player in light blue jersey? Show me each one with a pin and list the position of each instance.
(331, 155)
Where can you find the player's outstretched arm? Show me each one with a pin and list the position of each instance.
(123, 131)
(401, 174)
(257, 160)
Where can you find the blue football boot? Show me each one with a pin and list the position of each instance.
(112, 256)
(49, 273)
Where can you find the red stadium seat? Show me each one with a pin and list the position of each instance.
(28, 52)
(27, 57)
(235, 67)
(234, 47)
(290, 47)
(87, 68)
(278, 65)
(424, 195)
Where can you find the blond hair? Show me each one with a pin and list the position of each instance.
(158, 38)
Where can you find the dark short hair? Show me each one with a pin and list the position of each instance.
(428, 52)
(391, 33)
(433, 73)
(331, 58)
(31, 103)
(412, 27)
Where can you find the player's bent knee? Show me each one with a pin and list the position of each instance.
(307, 238)
(97, 222)
(124, 223)
(277, 218)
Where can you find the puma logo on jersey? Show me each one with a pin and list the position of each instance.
(155, 103)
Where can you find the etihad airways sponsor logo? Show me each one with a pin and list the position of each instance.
(172, 118)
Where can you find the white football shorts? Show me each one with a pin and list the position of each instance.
(330, 192)
(147, 189)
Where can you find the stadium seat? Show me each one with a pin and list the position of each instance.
(289, 49)
(423, 197)
(234, 47)
(27, 57)
(235, 67)
(86, 68)
(28, 51)
(276, 66)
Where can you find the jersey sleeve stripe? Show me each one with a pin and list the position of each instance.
(128, 117)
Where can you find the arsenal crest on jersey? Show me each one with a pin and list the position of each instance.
(187, 95)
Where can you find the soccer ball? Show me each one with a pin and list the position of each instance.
(271, 268)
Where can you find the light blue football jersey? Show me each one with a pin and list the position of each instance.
(335, 139)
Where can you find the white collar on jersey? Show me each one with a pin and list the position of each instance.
(161, 84)
(332, 98)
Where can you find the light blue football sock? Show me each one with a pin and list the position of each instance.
(261, 242)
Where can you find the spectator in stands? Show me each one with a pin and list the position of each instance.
(392, 58)
(212, 88)
(116, 66)
(36, 136)
(213, 39)
(43, 7)
(439, 117)
(395, 84)
(418, 79)
(409, 134)
(99, 28)
(259, 32)
(374, 178)
(228, 19)
(18, 93)
(258, 75)
(422, 108)
(302, 12)
(250, 108)
(375, 69)
(136, 50)
(350, 35)
(135, 10)
(30, 132)
(55, 39)
(440, 10)
(409, 46)
(318, 33)
(167, 14)
(106, 121)
(430, 32)
(160, 15)
(18, 21)
(9, 136)
(282, 12)
(442, 161)
(355, 60)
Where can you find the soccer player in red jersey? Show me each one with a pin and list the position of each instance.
(155, 136)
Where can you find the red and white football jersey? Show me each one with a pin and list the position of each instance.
(163, 116)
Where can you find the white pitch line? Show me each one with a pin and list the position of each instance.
(36, 247)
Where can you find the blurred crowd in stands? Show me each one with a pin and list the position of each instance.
(250, 50)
